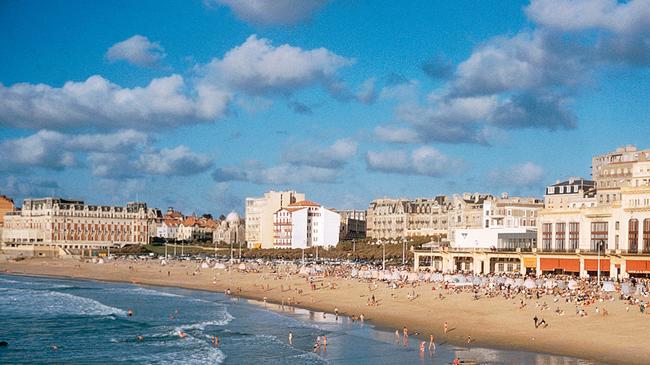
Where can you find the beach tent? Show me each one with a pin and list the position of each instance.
(395, 276)
(477, 280)
(640, 289)
(242, 267)
(608, 286)
(100, 261)
(510, 281)
(437, 277)
(354, 273)
(204, 265)
(539, 283)
(549, 284)
(573, 285)
(374, 274)
(561, 284)
(529, 283)
(626, 288)
(163, 262)
(412, 277)
(219, 266)
(519, 282)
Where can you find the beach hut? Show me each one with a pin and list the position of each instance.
(529, 283)
(608, 286)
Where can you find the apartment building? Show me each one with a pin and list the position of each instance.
(305, 224)
(353, 224)
(400, 218)
(259, 216)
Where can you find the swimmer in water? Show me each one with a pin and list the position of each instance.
(140, 338)
(129, 313)
(324, 342)
(182, 334)
(54, 347)
(290, 338)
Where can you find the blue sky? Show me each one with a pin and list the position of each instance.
(198, 104)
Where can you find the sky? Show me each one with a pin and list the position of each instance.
(199, 104)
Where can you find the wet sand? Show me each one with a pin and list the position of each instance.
(619, 338)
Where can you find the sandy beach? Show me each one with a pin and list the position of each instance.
(620, 337)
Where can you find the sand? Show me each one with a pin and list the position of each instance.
(619, 338)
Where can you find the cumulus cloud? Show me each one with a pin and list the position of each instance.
(426, 161)
(281, 174)
(98, 102)
(396, 134)
(137, 50)
(257, 67)
(56, 151)
(333, 156)
(177, 161)
(525, 175)
(272, 12)
(19, 188)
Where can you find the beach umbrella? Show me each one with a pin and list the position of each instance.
(529, 283)
(608, 286)
(573, 285)
(509, 281)
(561, 284)
(204, 265)
(163, 262)
(242, 267)
(354, 273)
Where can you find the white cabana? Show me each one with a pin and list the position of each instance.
(549, 284)
(412, 277)
(219, 266)
(640, 289)
(561, 284)
(100, 261)
(204, 265)
(573, 285)
(163, 262)
(437, 277)
(608, 286)
(242, 266)
(519, 282)
(626, 288)
(354, 273)
(395, 276)
(539, 283)
(529, 283)
(374, 274)
(509, 281)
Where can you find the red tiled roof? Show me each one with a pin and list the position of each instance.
(304, 203)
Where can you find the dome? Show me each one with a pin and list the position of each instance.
(232, 217)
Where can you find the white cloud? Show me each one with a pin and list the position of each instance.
(525, 175)
(396, 134)
(281, 174)
(257, 67)
(177, 161)
(333, 156)
(98, 102)
(44, 149)
(426, 161)
(272, 12)
(137, 50)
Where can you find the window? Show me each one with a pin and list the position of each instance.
(547, 231)
(560, 234)
(646, 235)
(633, 236)
(574, 235)
(598, 235)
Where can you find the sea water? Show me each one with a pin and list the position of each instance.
(59, 321)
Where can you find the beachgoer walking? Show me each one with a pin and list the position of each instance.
(397, 338)
(535, 319)
(432, 344)
(446, 327)
(290, 338)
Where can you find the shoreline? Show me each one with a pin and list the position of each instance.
(489, 322)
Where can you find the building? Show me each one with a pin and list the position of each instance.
(400, 218)
(509, 223)
(72, 224)
(305, 224)
(195, 228)
(232, 230)
(6, 206)
(168, 229)
(353, 224)
(259, 216)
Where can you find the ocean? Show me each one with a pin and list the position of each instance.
(61, 321)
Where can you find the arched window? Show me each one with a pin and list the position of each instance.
(633, 236)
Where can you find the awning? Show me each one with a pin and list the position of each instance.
(530, 262)
(592, 264)
(570, 265)
(637, 266)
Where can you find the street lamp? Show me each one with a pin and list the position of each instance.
(599, 245)
(383, 254)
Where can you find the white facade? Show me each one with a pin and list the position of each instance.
(167, 230)
(259, 216)
(305, 224)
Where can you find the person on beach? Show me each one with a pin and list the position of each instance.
(432, 344)
(290, 338)
(397, 338)
(535, 319)
(422, 343)
(405, 331)
(446, 327)
(324, 343)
